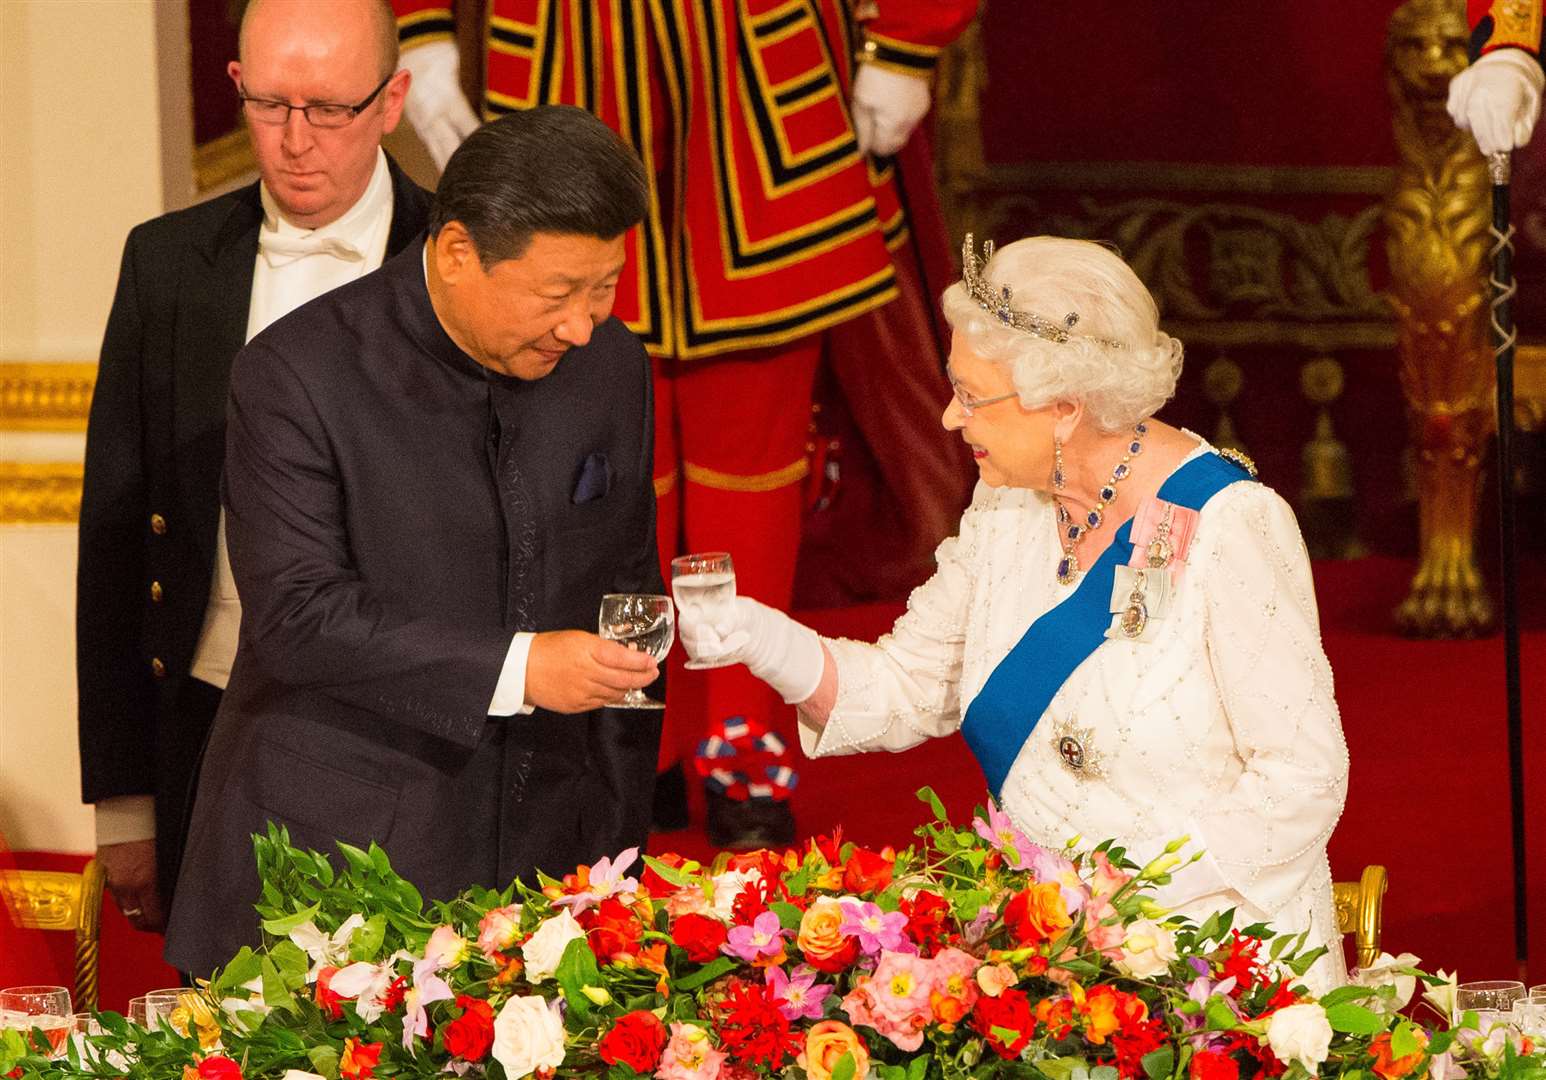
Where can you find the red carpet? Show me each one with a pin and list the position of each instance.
(1428, 799)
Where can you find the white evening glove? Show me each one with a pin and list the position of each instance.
(436, 106)
(779, 651)
(1498, 99)
(887, 106)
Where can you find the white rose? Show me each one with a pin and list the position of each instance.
(297, 1074)
(545, 948)
(1300, 1033)
(1383, 972)
(528, 1036)
(1147, 950)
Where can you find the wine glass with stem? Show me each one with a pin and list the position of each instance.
(644, 622)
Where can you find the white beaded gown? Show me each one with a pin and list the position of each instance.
(1221, 724)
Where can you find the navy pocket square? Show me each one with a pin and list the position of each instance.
(595, 479)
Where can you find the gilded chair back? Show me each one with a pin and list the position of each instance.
(1360, 905)
(55, 900)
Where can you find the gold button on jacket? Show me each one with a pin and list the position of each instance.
(158, 524)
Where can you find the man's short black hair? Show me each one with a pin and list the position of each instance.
(552, 169)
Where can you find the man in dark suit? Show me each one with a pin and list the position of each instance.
(433, 476)
(157, 614)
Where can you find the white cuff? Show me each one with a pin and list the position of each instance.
(124, 819)
(510, 691)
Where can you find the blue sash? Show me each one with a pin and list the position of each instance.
(1019, 690)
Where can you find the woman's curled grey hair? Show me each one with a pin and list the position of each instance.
(1053, 277)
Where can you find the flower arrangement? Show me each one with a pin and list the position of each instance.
(972, 953)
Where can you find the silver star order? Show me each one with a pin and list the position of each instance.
(1074, 745)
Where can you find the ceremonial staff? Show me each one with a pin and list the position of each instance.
(1503, 290)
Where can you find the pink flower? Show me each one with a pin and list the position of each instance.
(999, 831)
(875, 929)
(1106, 879)
(798, 996)
(689, 900)
(762, 940)
(1108, 939)
(498, 929)
(895, 1000)
(445, 948)
(994, 979)
(605, 879)
(689, 1055)
(1050, 866)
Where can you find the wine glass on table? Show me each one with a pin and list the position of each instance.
(41, 1008)
(645, 623)
(704, 586)
(1487, 996)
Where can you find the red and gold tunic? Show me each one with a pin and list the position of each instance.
(1504, 24)
(765, 223)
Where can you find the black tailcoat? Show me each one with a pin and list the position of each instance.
(150, 507)
(395, 512)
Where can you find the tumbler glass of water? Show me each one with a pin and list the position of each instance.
(642, 622)
(704, 585)
(45, 1008)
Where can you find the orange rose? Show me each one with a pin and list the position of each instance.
(821, 938)
(1037, 914)
(826, 1043)
(1394, 1068)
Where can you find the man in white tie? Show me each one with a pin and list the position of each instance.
(157, 611)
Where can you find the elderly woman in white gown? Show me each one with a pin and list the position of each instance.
(1124, 629)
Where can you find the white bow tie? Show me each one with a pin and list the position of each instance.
(281, 250)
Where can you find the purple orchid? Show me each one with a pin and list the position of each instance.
(427, 989)
(605, 879)
(1201, 990)
(799, 996)
(998, 830)
(763, 938)
(876, 930)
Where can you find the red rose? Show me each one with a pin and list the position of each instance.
(926, 914)
(1005, 1021)
(652, 882)
(1037, 914)
(636, 1040)
(614, 930)
(219, 1068)
(868, 871)
(328, 1001)
(470, 1035)
(700, 936)
(1212, 1065)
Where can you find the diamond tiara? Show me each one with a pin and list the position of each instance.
(997, 302)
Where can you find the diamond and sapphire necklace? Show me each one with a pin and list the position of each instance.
(1070, 532)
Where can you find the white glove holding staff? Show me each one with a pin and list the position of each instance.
(436, 107)
(1498, 99)
(779, 651)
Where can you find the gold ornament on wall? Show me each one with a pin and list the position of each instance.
(1222, 381)
(1436, 241)
(1327, 503)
